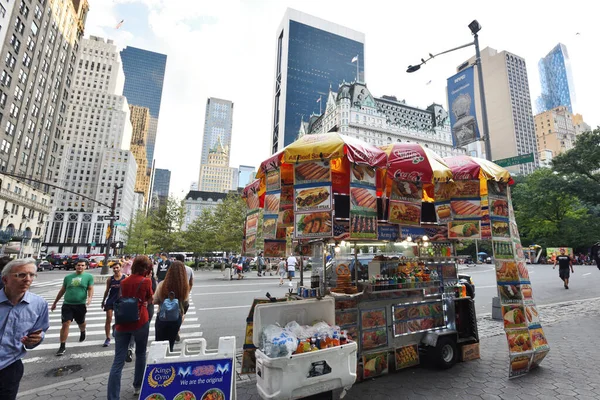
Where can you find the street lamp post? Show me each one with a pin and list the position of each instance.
(475, 27)
(145, 245)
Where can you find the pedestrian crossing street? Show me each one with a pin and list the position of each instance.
(95, 334)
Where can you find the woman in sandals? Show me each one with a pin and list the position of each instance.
(174, 286)
(113, 285)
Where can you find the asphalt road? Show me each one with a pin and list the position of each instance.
(219, 308)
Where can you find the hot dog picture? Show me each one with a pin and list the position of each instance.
(272, 203)
(444, 212)
(312, 172)
(313, 225)
(523, 272)
(532, 315)
(466, 208)
(519, 365)
(363, 173)
(363, 198)
(527, 292)
(313, 197)
(252, 201)
(270, 227)
(273, 180)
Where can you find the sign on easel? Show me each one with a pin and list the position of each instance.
(192, 374)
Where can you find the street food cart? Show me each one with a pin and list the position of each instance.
(391, 217)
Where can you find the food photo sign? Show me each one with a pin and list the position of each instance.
(363, 202)
(312, 200)
(527, 344)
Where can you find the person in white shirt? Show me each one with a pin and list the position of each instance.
(291, 267)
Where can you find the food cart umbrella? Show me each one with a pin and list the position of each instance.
(269, 164)
(467, 167)
(482, 253)
(329, 146)
(413, 162)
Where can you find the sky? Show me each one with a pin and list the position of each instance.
(226, 49)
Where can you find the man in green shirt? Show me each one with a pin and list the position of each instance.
(78, 289)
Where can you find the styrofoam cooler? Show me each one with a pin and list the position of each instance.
(289, 377)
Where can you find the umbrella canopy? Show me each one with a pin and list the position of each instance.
(269, 164)
(482, 253)
(466, 167)
(330, 146)
(413, 162)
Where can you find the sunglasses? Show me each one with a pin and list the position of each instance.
(24, 275)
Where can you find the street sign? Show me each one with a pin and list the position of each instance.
(120, 224)
(522, 159)
(109, 218)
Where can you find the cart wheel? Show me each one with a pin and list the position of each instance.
(446, 352)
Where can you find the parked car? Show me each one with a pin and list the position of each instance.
(45, 266)
(93, 264)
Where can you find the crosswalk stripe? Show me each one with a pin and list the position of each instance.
(57, 319)
(92, 333)
(48, 283)
(91, 343)
(88, 326)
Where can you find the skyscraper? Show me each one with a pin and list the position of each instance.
(162, 181)
(246, 175)
(140, 123)
(556, 79)
(39, 49)
(510, 117)
(96, 154)
(218, 121)
(555, 131)
(144, 77)
(313, 55)
(216, 175)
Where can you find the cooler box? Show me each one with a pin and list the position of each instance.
(304, 374)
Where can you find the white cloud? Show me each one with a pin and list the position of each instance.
(226, 49)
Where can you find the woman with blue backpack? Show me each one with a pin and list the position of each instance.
(171, 293)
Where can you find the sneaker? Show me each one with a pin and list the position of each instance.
(136, 390)
(61, 350)
(82, 336)
(566, 286)
(106, 343)
(129, 357)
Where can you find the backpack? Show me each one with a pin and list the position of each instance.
(127, 309)
(169, 309)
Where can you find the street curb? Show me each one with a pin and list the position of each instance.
(542, 306)
(69, 382)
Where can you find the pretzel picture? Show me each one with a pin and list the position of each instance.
(342, 269)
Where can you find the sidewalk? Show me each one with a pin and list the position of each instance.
(569, 371)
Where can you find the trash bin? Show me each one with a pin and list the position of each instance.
(227, 274)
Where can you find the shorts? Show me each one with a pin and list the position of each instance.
(291, 274)
(564, 273)
(108, 306)
(70, 312)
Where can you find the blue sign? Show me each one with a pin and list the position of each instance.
(388, 232)
(192, 380)
(461, 101)
(412, 231)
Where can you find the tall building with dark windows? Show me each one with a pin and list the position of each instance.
(162, 181)
(556, 79)
(313, 55)
(144, 77)
(218, 122)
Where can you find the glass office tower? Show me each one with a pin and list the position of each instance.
(556, 80)
(144, 76)
(313, 55)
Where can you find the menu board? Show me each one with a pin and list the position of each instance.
(275, 248)
(412, 318)
(252, 222)
(363, 202)
(464, 229)
(273, 180)
(527, 343)
(443, 192)
(270, 226)
(407, 356)
(405, 202)
(375, 364)
(285, 216)
(312, 200)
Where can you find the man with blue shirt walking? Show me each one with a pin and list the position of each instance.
(23, 322)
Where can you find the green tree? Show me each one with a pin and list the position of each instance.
(230, 216)
(550, 214)
(139, 230)
(581, 166)
(200, 236)
(165, 223)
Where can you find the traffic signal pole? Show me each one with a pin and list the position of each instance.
(111, 230)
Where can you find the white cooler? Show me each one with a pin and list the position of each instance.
(304, 374)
